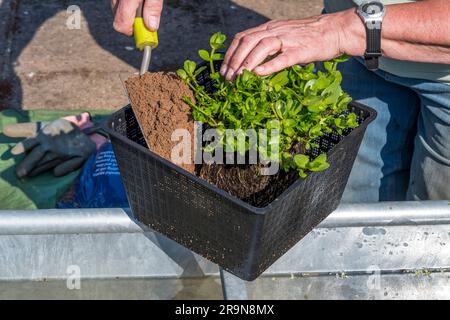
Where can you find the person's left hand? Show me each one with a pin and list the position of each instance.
(293, 42)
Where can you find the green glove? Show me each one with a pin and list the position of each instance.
(59, 145)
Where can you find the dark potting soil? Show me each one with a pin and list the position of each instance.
(246, 182)
(156, 100)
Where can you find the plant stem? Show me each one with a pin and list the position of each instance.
(211, 61)
(214, 123)
(275, 112)
(204, 95)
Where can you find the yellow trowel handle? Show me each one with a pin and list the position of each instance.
(142, 36)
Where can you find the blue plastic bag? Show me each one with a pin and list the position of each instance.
(99, 184)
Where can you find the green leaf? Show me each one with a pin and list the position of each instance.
(204, 55)
(310, 85)
(307, 76)
(182, 74)
(289, 131)
(310, 67)
(301, 161)
(217, 41)
(289, 122)
(277, 87)
(317, 84)
(319, 164)
(315, 131)
(280, 79)
(333, 92)
(273, 125)
(189, 67)
(302, 174)
(344, 101)
(319, 106)
(217, 56)
(329, 65)
(199, 70)
(280, 106)
(246, 76)
(339, 122)
(352, 121)
(320, 167)
(342, 58)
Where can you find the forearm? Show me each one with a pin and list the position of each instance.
(417, 31)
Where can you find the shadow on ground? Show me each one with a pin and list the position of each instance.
(62, 56)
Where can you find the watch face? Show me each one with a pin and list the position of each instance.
(373, 8)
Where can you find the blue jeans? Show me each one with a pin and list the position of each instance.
(405, 154)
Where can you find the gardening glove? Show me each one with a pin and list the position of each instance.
(60, 145)
(23, 130)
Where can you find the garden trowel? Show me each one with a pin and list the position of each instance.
(144, 38)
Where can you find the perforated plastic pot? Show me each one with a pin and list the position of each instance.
(242, 239)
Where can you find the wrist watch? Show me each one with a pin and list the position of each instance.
(372, 14)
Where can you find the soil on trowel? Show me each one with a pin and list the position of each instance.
(157, 102)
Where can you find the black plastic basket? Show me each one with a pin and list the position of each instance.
(242, 239)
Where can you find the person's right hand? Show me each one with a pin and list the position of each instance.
(125, 12)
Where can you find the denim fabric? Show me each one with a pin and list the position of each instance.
(405, 154)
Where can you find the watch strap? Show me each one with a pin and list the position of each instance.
(372, 63)
(373, 51)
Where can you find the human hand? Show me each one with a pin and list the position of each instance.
(287, 43)
(125, 12)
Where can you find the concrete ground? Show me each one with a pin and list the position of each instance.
(45, 64)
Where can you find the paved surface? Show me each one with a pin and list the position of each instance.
(44, 64)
